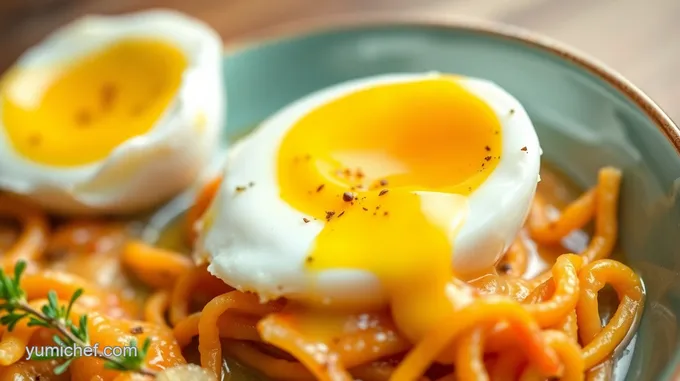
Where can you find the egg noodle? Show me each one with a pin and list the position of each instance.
(505, 327)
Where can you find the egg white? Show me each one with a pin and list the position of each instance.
(144, 170)
(257, 242)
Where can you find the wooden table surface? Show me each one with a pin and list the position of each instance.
(638, 38)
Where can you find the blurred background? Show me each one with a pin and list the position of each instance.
(638, 38)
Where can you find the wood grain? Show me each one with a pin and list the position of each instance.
(640, 39)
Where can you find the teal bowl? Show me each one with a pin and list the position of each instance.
(587, 117)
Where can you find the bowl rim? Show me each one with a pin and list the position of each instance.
(348, 21)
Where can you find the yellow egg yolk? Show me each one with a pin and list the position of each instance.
(388, 170)
(77, 113)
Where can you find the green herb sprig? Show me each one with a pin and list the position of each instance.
(14, 308)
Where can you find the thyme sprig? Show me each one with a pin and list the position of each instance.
(15, 308)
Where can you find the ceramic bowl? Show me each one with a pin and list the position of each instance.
(587, 116)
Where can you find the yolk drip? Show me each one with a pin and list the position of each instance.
(80, 112)
(388, 169)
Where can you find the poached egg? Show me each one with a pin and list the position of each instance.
(375, 191)
(112, 114)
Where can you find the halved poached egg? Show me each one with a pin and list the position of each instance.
(376, 191)
(112, 114)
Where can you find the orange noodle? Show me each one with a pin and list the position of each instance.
(33, 238)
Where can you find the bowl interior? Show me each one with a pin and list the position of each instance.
(583, 122)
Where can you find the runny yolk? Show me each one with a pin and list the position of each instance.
(77, 113)
(388, 170)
